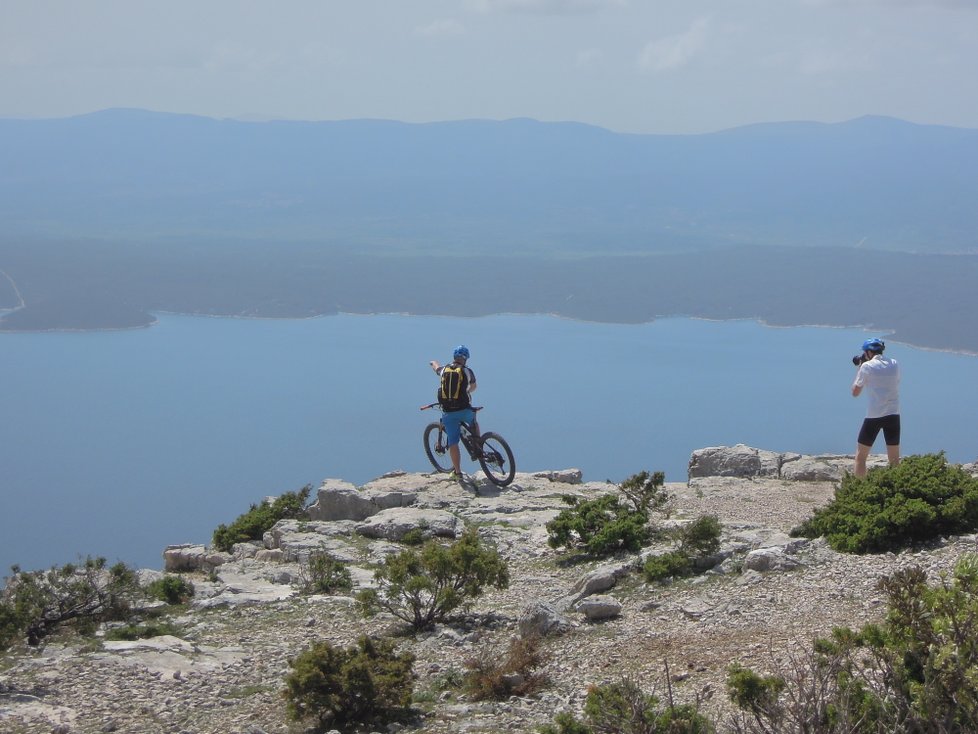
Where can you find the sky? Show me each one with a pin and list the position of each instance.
(636, 66)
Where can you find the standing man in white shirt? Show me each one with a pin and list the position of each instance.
(879, 376)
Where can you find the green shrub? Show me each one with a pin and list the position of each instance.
(34, 603)
(323, 574)
(491, 676)
(916, 673)
(753, 692)
(699, 539)
(414, 536)
(606, 525)
(566, 723)
(623, 707)
(424, 585)
(600, 526)
(260, 518)
(336, 688)
(171, 589)
(143, 631)
(891, 508)
(674, 564)
(645, 491)
(10, 626)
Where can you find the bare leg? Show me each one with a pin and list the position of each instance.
(893, 454)
(456, 458)
(862, 453)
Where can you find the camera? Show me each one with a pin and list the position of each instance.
(859, 359)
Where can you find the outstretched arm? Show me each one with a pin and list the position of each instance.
(434, 365)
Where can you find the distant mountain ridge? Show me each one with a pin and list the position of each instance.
(110, 217)
(516, 185)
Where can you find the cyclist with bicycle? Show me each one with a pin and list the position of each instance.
(457, 383)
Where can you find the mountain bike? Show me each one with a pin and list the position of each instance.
(489, 449)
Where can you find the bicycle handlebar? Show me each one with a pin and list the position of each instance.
(438, 405)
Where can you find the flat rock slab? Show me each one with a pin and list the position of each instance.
(600, 607)
(168, 656)
(297, 540)
(243, 589)
(395, 523)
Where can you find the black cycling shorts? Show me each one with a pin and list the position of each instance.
(889, 424)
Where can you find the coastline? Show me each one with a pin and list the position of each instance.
(886, 332)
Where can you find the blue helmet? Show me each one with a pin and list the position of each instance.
(874, 345)
(461, 351)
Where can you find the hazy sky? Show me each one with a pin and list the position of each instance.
(628, 65)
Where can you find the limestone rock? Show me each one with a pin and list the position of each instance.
(725, 461)
(599, 580)
(542, 619)
(267, 555)
(394, 524)
(228, 675)
(241, 551)
(296, 540)
(600, 607)
(811, 469)
(565, 476)
(750, 463)
(339, 500)
(190, 557)
(770, 559)
(243, 588)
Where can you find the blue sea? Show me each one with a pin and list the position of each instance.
(119, 443)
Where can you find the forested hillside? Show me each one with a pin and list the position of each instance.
(110, 217)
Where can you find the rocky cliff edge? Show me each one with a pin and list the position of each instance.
(764, 598)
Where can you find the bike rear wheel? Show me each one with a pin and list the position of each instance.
(497, 459)
(435, 448)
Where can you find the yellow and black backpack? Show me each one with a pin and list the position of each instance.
(453, 392)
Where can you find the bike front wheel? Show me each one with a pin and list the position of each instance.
(497, 459)
(435, 448)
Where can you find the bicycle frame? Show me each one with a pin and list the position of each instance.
(488, 448)
(466, 434)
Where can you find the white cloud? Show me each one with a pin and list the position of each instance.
(817, 63)
(19, 55)
(547, 7)
(673, 52)
(588, 58)
(445, 27)
(949, 4)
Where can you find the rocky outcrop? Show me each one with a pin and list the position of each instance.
(339, 500)
(541, 619)
(746, 462)
(599, 608)
(190, 557)
(731, 461)
(394, 524)
(222, 671)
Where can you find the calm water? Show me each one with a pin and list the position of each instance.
(120, 443)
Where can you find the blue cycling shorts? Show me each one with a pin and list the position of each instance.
(452, 420)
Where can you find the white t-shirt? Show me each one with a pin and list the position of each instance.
(880, 380)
